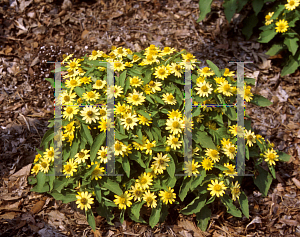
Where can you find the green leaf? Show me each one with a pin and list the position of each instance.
(41, 186)
(196, 112)
(214, 68)
(148, 132)
(292, 44)
(291, 66)
(203, 218)
(58, 185)
(145, 114)
(149, 99)
(74, 147)
(195, 206)
(147, 77)
(51, 178)
(122, 78)
(126, 165)
(240, 5)
(257, 6)
(112, 186)
(156, 131)
(49, 135)
(96, 145)
(91, 219)
(155, 215)
(204, 140)
(120, 136)
(275, 49)
(79, 91)
(249, 23)
(136, 207)
(204, 7)
(184, 188)
(52, 82)
(260, 101)
(230, 7)
(263, 180)
(98, 193)
(32, 180)
(243, 200)
(65, 196)
(87, 133)
(106, 212)
(283, 156)
(197, 180)
(157, 99)
(267, 36)
(171, 167)
(231, 208)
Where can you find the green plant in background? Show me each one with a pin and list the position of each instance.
(280, 22)
(149, 124)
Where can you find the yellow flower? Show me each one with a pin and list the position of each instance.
(161, 72)
(70, 167)
(104, 125)
(160, 163)
(235, 191)
(228, 73)
(44, 165)
(118, 66)
(207, 164)
(115, 91)
(99, 84)
(73, 65)
(72, 83)
(174, 142)
(268, 17)
(225, 88)
(169, 99)
(102, 154)
(150, 199)
(143, 120)
(236, 130)
(120, 148)
(90, 114)
(175, 125)
(129, 121)
(37, 157)
(219, 80)
(204, 89)
(85, 80)
(212, 154)
(120, 52)
(271, 156)
(69, 112)
(67, 98)
(137, 192)
(49, 154)
(35, 169)
(230, 151)
(154, 86)
(149, 146)
(135, 58)
(136, 98)
(205, 72)
(135, 81)
(167, 196)
(174, 114)
(144, 181)
(251, 138)
(82, 156)
(97, 172)
(230, 170)
(292, 4)
(91, 96)
(216, 188)
(282, 26)
(191, 168)
(167, 51)
(176, 69)
(84, 199)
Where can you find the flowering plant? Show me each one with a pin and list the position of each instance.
(149, 128)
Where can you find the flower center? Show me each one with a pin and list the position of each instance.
(175, 124)
(175, 140)
(118, 147)
(44, 165)
(72, 65)
(69, 110)
(50, 153)
(205, 70)
(149, 199)
(232, 149)
(135, 97)
(161, 162)
(67, 98)
(217, 187)
(68, 168)
(162, 71)
(73, 82)
(151, 83)
(118, 64)
(227, 87)
(204, 88)
(91, 94)
(99, 83)
(128, 120)
(81, 154)
(143, 181)
(102, 112)
(168, 195)
(84, 201)
(271, 156)
(214, 153)
(94, 53)
(90, 113)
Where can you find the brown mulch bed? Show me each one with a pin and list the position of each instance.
(35, 32)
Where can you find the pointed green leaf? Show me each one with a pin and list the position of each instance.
(231, 208)
(214, 68)
(91, 219)
(155, 215)
(204, 7)
(203, 218)
(99, 140)
(112, 186)
(243, 200)
(195, 206)
(260, 101)
(230, 7)
(263, 180)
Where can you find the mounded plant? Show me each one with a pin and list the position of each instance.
(149, 126)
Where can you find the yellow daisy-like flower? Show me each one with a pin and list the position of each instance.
(70, 168)
(248, 95)
(167, 51)
(150, 59)
(160, 163)
(37, 158)
(70, 128)
(97, 172)
(102, 154)
(49, 154)
(150, 199)
(118, 66)
(44, 165)
(69, 112)
(236, 130)
(149, 146)
(250, 137)
(137, 192)
(73, 65)
(205, 72)
(135, 58)
(176, 69)
(212, 154)
(129, 121)
(217, 188)
(235, 191)
(219, 80)
(99, 84)
(204, 89)
(207, 163)
(136, 98)
(90, 114)
(84, 199)
(120, 148)
(169, 99)
(82, 156)
(291, 4)
(86, 80)
(143, 120)
(91, 96)
(167, 196)
(176, 125)
(228, 73)
(67, 98)
(161, 72)
(225, 88)
(199, 118)
(35, 169)
(191, 168)
(66, 57)
(225, 142)
(230, 170)
(120, 52)
(155, 86)
(72, 83)
(128, 150)
(174, 114)
(115, 91)
(135, 81)
(174, 142)
(147, 89)
(271, 156)
(144, 181)
(268, 17)
(281, 26)
(188, 58)
(230, 151)
(105, 125)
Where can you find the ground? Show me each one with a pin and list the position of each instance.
(35, 32)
